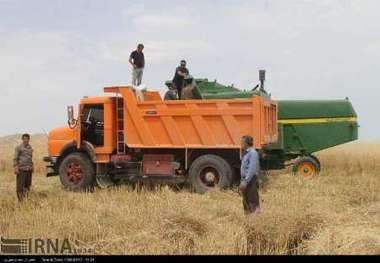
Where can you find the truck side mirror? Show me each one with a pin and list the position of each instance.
(70, 116)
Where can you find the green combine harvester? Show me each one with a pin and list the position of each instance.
(304, 126)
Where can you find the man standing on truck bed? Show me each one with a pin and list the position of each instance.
(250, 169)
(23, 166)
(137, 61)
(180, 73)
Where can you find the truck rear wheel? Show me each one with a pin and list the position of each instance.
(76, 172)
(210, 171)
(308, 166)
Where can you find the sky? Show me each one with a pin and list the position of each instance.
(53, 52)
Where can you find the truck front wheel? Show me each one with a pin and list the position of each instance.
(210, 171)
(76, 172)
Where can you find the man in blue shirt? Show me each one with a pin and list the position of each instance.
(249, 171)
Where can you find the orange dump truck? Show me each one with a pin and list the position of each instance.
(131, 136)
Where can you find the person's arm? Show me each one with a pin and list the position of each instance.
(181, 73)
(32, 163)
(243, 173)
(131, 60)
(15, 160)
(252, 167)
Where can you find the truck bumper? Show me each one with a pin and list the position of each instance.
(51, 167)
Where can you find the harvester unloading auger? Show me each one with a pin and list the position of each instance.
(304, 126)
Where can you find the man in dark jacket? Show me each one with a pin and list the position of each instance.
(23, 166)
(250, 169)
(180, 73)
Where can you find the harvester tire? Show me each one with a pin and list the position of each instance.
(210, 171)
(308, 166)
(317, 160)
(77, 173)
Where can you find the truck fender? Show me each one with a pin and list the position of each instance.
(67, 148)
(90, 150)
(85, 147)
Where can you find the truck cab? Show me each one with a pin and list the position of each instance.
(90, 136)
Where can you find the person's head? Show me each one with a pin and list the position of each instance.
(25, 138)
(246, 142)
(140, 47)
(183, 63)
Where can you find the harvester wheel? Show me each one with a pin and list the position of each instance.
(77, 173)
(307, 166)
(318, 162)
(210, 171)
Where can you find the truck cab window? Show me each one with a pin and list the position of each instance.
(93, 124)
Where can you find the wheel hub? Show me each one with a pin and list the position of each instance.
(307, 169)
(74, 172)
(209, 177)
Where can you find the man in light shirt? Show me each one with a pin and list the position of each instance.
(249, 171)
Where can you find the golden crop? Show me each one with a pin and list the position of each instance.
(337, 212)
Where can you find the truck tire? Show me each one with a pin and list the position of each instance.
(210, 171)
(77, 173)
(307, 166)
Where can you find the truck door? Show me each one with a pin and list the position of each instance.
(97, 127)
(92, 124)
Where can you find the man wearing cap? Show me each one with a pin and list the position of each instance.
(137, 61)
(180, 73)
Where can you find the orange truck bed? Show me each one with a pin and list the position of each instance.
(150, 122)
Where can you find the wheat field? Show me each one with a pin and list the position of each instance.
(337, 212)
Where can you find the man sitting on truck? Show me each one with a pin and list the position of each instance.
(180, 73)
(171, 94)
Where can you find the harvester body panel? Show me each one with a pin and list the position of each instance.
(304, 126)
